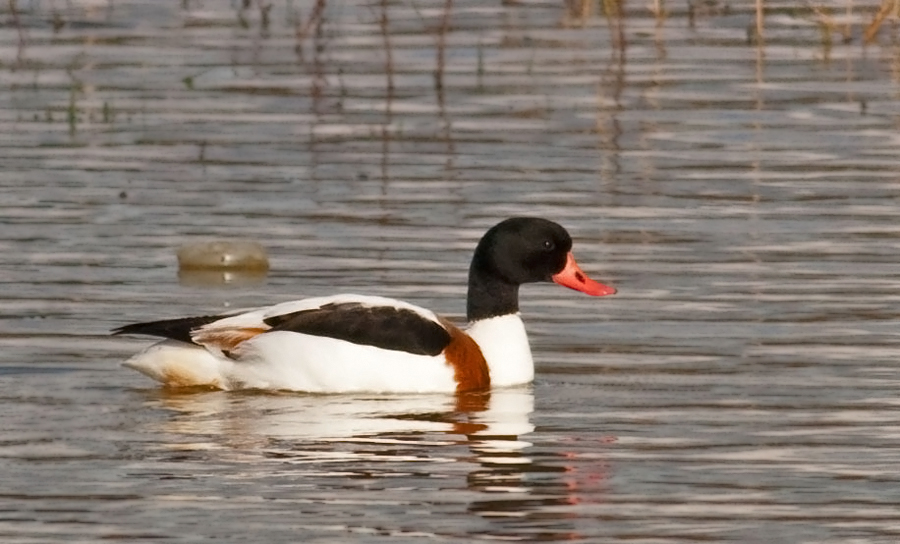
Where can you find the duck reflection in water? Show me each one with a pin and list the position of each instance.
(422, 440)
(257, 419)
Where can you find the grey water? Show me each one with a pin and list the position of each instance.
(741, 193)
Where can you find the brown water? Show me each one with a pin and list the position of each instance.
(742, 386)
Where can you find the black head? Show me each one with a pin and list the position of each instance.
(523, 250)
(516, 251)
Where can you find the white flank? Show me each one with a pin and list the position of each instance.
(301, 362)
(293, 361)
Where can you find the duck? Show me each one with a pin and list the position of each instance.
(348, 343)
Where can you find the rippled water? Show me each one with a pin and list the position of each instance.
(742, 195)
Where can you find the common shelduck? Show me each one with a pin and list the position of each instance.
(354, 343)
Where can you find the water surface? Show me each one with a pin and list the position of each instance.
(741, 194)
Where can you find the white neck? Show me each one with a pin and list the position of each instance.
(504, 344)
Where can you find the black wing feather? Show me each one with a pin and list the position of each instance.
(384, 327)
(176, 329)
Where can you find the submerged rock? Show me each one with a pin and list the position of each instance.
(198, 277)
(224, 255)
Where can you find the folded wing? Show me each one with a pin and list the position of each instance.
(385, 327)
(372, 321)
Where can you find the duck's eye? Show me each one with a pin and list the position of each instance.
(548, 245)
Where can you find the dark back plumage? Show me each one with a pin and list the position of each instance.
(176, 329)
(384, 327)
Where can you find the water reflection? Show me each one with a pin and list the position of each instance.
(330, 440)
(493, 421)
(222, 278)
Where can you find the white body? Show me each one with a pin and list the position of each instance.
(284, 360)
(505, 347)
